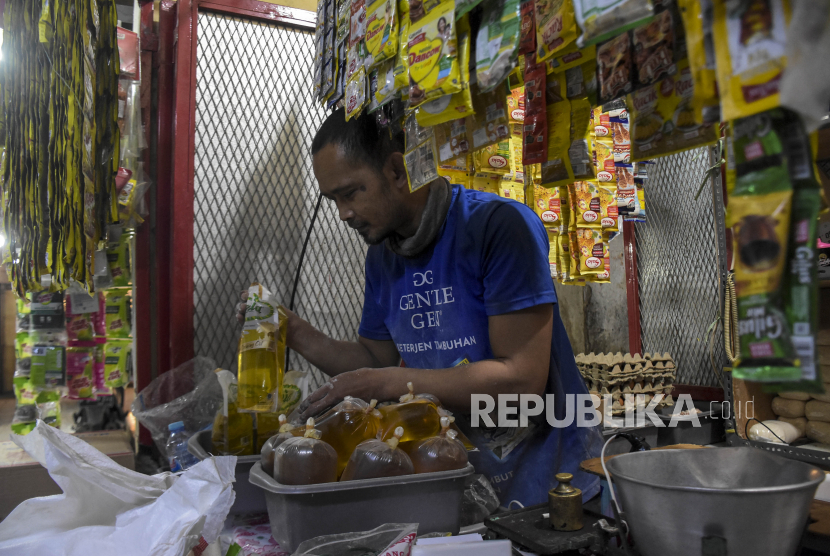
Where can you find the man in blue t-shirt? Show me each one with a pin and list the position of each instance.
(458, 300)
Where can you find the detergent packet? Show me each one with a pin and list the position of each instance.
(497, 43)
(750, 45)
(555, 27)
(434, 67)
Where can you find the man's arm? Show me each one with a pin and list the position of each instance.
(520, 341)
(335, 357)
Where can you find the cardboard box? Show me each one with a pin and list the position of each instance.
(22, 478)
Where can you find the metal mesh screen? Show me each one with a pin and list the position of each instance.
(678, 269)
(255, 191)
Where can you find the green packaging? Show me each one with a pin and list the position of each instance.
(118, 317)
(117, 363)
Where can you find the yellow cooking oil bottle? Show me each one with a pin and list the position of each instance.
(261, 352)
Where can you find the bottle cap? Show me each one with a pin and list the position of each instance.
(178, 425)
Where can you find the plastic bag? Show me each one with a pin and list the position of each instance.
(287, 431)
(478, 501)
(348, 424)
(390, 539)
(418, 415)
(378, 458)
(438, 453)
(305, 460)
(189, 393)
(108, 509)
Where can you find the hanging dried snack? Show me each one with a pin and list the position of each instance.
(615, 65)
(548, 205)
(434, 68)
(750, 41)
(117, 363)
(592, 251)
(555, 27)
(456, 105)
(381, 31)
(663, 118)
(488, 124)
(493, 159)
(118, 323)
(527, 30)
(603, 19)
(654, 49)
(570, 57)
(759, 214)
(497, 43)
(698, 18)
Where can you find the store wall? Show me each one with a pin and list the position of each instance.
(310, 5)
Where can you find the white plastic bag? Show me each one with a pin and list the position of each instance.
(107, 509)
(387, 540)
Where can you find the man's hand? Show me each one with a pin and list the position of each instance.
(365, 384)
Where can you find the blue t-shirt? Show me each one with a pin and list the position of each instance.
(490, 258)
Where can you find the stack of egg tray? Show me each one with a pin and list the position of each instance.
(617, 375)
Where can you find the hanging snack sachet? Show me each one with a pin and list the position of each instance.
(381, 31)
(555, 27)
(434, 68)
(497, 43)
(603, 19)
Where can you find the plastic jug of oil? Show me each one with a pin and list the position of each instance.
(305, 460)
(378, 458)
(261, 352)
(418, 415)
(438, 453)
(348, 424)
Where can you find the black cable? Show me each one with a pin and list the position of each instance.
(766, 427)
(299, 268)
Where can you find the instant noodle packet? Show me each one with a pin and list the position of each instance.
(750, 43)
(592, 251)
(118, 315)
(434, 68)
(759, 213)
(497, 43)
(493, 159)
(663, 118)
(117, 362)
(456, 105)
(381, 31)
(548, 205)
(555, 27)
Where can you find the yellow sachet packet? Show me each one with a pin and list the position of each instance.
(454, 176)
(570, 57)
(451, 140)
(512, 188)
(563, 258)
(486, 183)
(557, 170)
(548, 205)
(493, 159)
(553, 256)
(592, 251)
(701, 52)
(401, 70)
(457, 105)
(434, 68)
(381, 31)
(750, 45)
(555, 27)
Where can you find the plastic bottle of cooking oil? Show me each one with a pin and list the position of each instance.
(261, 353)
(232, 431)
(418, 415)
(348, 424)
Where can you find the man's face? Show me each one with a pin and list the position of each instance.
(365, 198)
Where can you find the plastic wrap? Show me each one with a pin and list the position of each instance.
(418, 415)
(348, 424)
(479, 500)
(378, 458)
(305, 460)
(286, 431)
(438, 453)
(388, 539)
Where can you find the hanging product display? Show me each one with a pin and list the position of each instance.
(434, 68)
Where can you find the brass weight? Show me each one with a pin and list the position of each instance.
(565, 504)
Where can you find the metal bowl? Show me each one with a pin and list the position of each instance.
(735, 501)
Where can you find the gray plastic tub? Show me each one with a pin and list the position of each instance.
(299, 513)
(249, 499)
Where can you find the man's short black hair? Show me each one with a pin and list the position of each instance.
(362, 139)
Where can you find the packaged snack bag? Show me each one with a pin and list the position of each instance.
(117, 363)
(401, 70)
(459, 177)
(698, 18)
(553, 246)
(570, 57)
(588, 205)
(493, 159)
(512, 187)
(443, 452)
(750, 41)
(592, 251)
(548, 205)
(118, 316)
(603, 19)
(261, 352)
(615, 68)
(527, 31)
(457, 105)
(516, 105)
(80, 379)
(663, 118)
(489, 123)
(609, 221)
(497, 43)
(356, 93)
(605, 165)
(381, 31)
(555, 27)
(348, 424)
(654, 49)
(557, 169)
(379, 458)
(434, 68)
(626, 190)
(759, 214)
(563, 258)
(305, 460)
